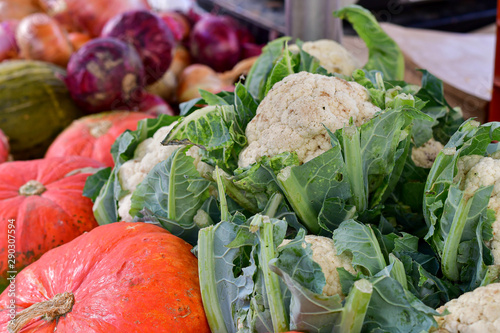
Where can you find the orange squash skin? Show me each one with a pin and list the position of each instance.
(46, 220)
(126, 277)
(92, 136)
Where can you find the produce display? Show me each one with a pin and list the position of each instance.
(44, 198)
(241, 188)
(95, 288)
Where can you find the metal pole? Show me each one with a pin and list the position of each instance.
(312, 19)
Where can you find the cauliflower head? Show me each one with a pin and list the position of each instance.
(325, 254)
(147, 154)
(293, 116)
(331, 55)
(477, 311)
(476, 171)
(426, 154)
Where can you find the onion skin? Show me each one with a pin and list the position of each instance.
(8, 44)
(166, 87)
(214, 42)
(88, 16)
(177, 23)
(17, 9)
(40, 37)
(151, 37)
(154, 105)
(251, 50)
(197, 77)
(105, 74)
(78, 39)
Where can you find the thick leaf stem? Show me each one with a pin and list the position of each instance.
(224, 210)
(273, 205)
(296, 195)
(208, 284)
(354, 166)
(355, 307)
(450, 250)
(398, 271)
(271, 280)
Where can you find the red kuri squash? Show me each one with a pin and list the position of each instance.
(4, 147)
(41, 200)
(120, 277)
(92, 136)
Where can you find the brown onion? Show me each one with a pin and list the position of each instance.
(40, 37)
(17, 9)
(89, 15)
(166, 87)
(199, 76)
(78, 39)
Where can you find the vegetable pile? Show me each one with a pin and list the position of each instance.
(315, 195)
(312, 197)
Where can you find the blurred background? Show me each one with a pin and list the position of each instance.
(454, 39)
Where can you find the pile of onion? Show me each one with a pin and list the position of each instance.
(40, 37)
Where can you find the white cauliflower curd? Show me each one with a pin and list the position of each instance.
(325, 255)
(147, 154)
(293, 116)
(331, 55)
(425, 155)
(476, 171)
(477, 311)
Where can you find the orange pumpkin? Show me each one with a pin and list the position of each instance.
(92, 136)
(120, 277)
(41, 200)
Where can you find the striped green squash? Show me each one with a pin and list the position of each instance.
(35, 106)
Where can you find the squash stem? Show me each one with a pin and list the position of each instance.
(50, 310)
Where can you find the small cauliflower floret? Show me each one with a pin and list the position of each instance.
(477, 171)
(477, 311)
(325, 254)
(293, 116)
(149, 153)
(426, 154)
(331, 55)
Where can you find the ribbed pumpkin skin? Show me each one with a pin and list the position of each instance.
(44, 221)
(4, 147)
(126, 277)
(35, 106)
(92, 136)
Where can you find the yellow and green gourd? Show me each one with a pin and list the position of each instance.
(35, 106)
